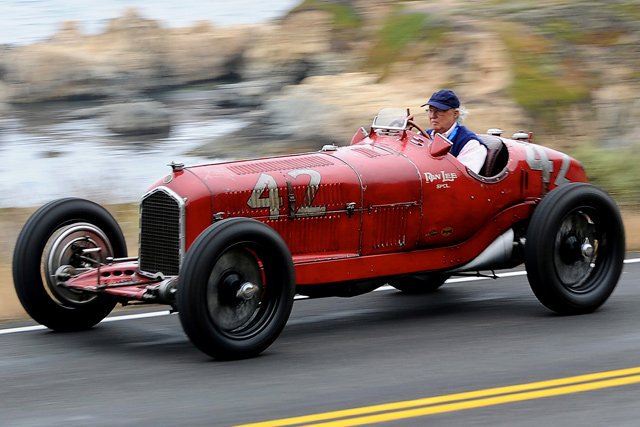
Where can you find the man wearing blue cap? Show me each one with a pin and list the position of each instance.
(444, 113)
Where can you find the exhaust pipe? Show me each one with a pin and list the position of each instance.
(497, 253)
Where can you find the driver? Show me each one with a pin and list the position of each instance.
(444, 115)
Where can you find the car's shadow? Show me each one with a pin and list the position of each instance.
(344, 319)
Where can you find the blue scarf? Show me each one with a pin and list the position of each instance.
(459, 137)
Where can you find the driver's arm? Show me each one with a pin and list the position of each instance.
(473, 155)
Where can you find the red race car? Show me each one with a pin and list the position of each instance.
(228, 245)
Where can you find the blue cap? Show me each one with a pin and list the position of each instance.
(444, 99)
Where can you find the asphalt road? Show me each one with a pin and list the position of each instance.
(413, 353)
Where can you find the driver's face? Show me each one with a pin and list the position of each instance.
(442, 120)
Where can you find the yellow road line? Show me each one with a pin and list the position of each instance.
(478, 403)
(460, 401)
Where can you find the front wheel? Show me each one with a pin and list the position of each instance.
(236, 288)
(575, 249)
(66, 232)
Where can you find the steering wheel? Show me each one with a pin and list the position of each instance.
(411, 124)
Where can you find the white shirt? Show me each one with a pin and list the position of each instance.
(473, 154)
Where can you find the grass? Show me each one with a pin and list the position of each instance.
(627, 9)
(402, 35)
(346, 23)
(545, 82)
(569, 32)
(344, 15)
(615, 170)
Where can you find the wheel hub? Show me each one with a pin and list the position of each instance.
(576, 249)
(70, 251)
(234, 291)
(247, 291)
(570, 250)
(64, 273)
(587, 250)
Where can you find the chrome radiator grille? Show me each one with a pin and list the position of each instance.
(161, 232)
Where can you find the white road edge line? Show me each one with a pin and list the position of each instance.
(117, 318)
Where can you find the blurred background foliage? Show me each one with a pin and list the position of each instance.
(344, 15)
(403, 35)
(616, 170)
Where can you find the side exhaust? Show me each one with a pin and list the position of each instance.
(497, 253)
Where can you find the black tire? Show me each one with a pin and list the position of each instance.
(53, 236)
(419, 283)
(575, 249)
(226, 256)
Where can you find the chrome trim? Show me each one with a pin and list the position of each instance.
(247, 291)
(520, 136)
(181, 226)
(176, 166)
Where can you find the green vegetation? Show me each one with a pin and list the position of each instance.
(344, 15)
(345, 20)
(544, 82)
(628, 9)
(403, 35)
(615, 170)
(395, 35)
(563, 29)
(566, 31)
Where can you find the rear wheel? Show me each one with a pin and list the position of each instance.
(236, 289)
(67, 232)
(575, 249)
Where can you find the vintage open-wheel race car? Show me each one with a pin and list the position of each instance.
(228, 245)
